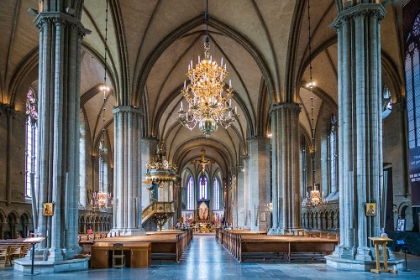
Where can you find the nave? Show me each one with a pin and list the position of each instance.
(207, 259)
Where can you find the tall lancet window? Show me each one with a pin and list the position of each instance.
(31, 141)
(216, 194)
(203, 187)
(103, 168)
(332, 154)
(190, 194)
(412, 74)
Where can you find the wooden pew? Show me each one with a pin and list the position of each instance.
(11, 249)
(288, 248)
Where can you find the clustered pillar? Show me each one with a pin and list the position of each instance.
(127, 175)
(285, 184)
(359, 126)
(60, 36)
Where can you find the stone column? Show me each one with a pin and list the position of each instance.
(259, 180)
(243, 193)
(10, 112)
(359, 126)
(58, 128)
(285, 168)
(127, 166)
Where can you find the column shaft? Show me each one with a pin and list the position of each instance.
(285, 167)
(128, 178)
(58, 130)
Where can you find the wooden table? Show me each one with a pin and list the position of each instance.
(138, 254)
(381, 241)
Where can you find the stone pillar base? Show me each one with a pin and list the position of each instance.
(352, 264)
(360, 259)
(49, 267)
(127, 232)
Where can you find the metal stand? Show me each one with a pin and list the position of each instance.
(33, 262)
(33, 241)
(405, 248)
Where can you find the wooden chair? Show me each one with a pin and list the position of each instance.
(5, 256)
(118, 258)
(14, 253)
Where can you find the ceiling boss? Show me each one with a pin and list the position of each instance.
(209, 98)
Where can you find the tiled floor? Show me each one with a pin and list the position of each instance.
(207, 259)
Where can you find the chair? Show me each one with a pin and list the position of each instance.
(15, 253)
(5, 256)
(118, 258)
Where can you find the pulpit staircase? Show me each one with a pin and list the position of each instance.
(159, 212)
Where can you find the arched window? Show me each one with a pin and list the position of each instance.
(103, 168)
(303, 168)
(412, 71)
(190, 194)
(412, 76)
(31, 141)
(203, 187)
(332, 154)
(216, 194)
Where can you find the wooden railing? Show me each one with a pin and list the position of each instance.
(157, 207)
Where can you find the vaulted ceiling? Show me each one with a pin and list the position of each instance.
(151, 42)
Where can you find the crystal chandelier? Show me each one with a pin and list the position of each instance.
(102, 199)
(314, 197)
(209, 98)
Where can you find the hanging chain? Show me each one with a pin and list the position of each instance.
(311, 86)
(105, 89)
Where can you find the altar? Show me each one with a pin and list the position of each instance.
(203, 211)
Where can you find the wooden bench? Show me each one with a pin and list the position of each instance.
(288, 248)
(11, 249)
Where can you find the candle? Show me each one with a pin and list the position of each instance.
(230, 83)
(198, 59)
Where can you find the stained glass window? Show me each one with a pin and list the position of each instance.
(203, 187)
(31, 141)
(216, 194)
(332, 154)
(412, 70)
(190, 194)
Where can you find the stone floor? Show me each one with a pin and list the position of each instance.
(207, 259)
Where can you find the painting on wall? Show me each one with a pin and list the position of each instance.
(47, 209)
(371, 209)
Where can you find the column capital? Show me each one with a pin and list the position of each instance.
(49, 18)
(359, 10)
(257, 138)
(8, 109)
(285, 106)
(127, 109)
